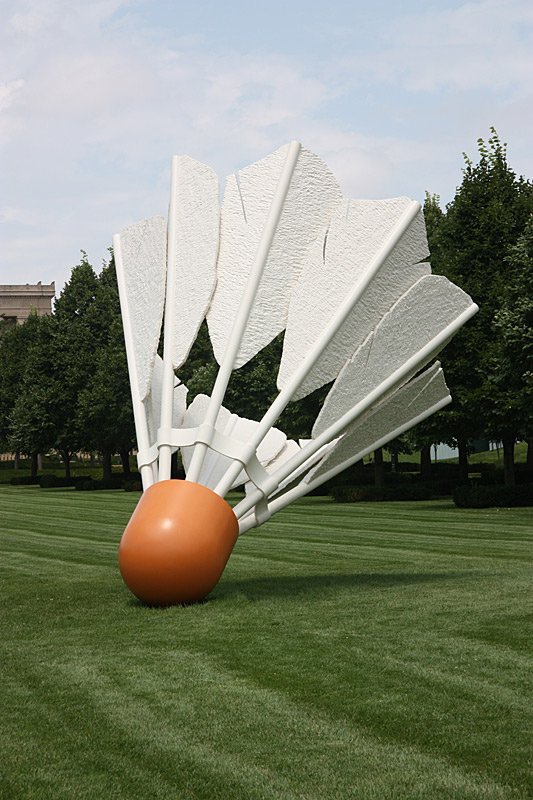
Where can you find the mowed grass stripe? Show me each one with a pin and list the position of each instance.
(333, 660)
(440, 513)
(245, 769)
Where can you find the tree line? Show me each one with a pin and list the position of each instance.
(64, 379)
(483, 241)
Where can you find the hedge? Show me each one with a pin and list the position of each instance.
(59, 481)
(357, 494)
(117, 481)
(493, 496)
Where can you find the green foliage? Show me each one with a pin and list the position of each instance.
(14, 344)
(470, 244)
(71, 347)
(64, 378)
(403, 492)
(512, 373)
(252, 388)
(92, 358)
(496, 496)
(39, 400)
(89, 485)
(104, 405)
(51, 481)
(132, 485)
(487, 216)
(25, 480)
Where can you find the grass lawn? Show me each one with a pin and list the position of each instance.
(350, 651)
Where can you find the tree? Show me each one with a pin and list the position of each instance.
(13, 347)
(513, 327)
(104, 409)
(15, 344)
(37, 403)
(74, 347)
(486, 217)
(64, 378)
(60, 363)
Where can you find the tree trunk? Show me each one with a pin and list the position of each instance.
(508, 459)
(125, 459)
(425, 462)
(529, 457)
(393, 459)
(106, 464)
(462, 446)
(17, 460)
(34, 465)
(65, 455)
(379, 468)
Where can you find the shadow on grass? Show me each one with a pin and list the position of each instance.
(289, 585)
(134, 602)
(294, 585)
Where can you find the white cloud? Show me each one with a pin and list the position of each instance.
(95, 100)
(9, 92)
(477, 45)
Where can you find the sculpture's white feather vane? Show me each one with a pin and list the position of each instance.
(194, 254)
(398, 413)
(153, 402)
(337, 263)
(143, 247)
(346, 279)
(396, 410)
(230, 425)
(193, 229)
(312, 196)
(419, 316)
(401, 344)
(289, 450)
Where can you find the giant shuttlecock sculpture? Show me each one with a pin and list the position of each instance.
(346, 280)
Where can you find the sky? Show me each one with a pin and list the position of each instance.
(96, 97)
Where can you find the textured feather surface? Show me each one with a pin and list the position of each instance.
(422, 313)
(337, 263)
(197, 234)
(143, 247)
(304, 468)
(312, 197)
(236, 427)
(398, 409)
(290, 448)
(153, 402)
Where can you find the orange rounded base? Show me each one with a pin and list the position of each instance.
(177, 543)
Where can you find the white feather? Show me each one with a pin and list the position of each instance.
(337, 262)
(196, 232)
(143, 248)
(403, 405)
(231, 425)
(422, 313)
(348, 283)
(312, 197)
(153, 402)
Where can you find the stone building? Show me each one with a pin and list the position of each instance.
(18, 301)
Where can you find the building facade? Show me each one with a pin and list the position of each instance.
(18, 301)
